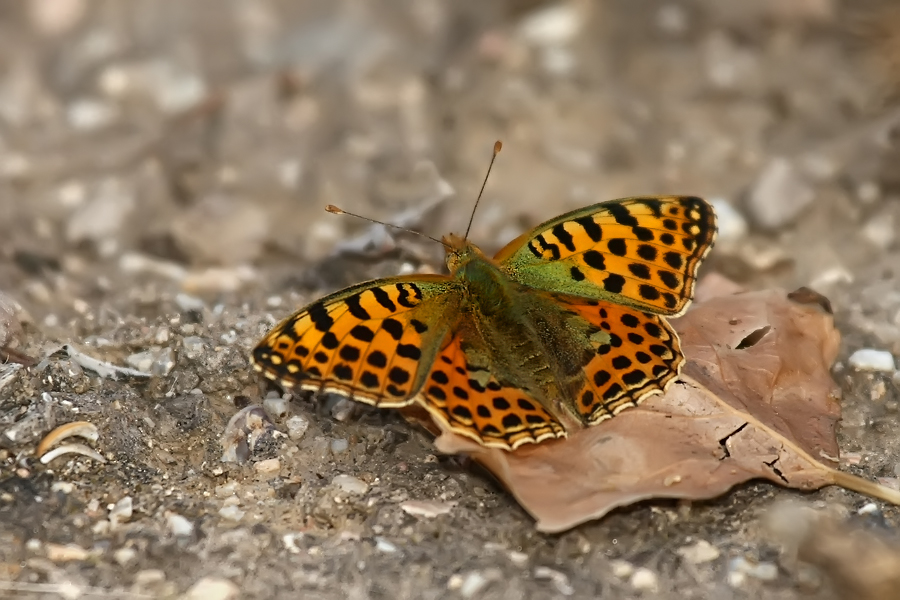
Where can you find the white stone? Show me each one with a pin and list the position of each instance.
(868, 509)
(779, 196)
(731, 223)
(339, 446)
(559, 579)
(427, 508)
(89, 114)
(212, 588)
(553, 25)
(178, 525)
(382, 545)
(296, 427)
(270, 465)
(231, 513)
(880, 230)
(698, 553)
(644, 580)
(350, 484)
(869, 359)
(124, 556)
(472, 583)
(621, 568)
(121, 511)
(275, 406)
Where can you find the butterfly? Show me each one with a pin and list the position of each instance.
(565, 327)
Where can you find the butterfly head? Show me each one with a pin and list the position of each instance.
(460, 251)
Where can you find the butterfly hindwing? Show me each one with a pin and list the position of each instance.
(469, 399)
(641, 252)
(636, 354)
(372, 342)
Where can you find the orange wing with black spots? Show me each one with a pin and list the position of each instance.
(640, 252)
(373, 342)
(637, 354)
(471, 401)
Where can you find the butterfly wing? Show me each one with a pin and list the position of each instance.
(462, 393)
(640, 252)
(372, 342)
(635, 354)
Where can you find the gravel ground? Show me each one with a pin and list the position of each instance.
(162, 178)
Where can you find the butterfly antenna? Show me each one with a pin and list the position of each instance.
(497, 146)
(340, 211)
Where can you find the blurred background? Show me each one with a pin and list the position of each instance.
(210, 133)
(163, 172)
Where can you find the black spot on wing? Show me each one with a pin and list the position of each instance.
(590, 228)
(594, 259)
(614, 283)
(673, 259)
(377, 359)
(617, 246)
(564, 237)
(356, 309)
(639, 270)
(647, 252)
(384, 299)
(393, 327)
(669, 279)
(322, 321)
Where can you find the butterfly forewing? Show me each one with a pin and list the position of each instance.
(640, 252)
(373, 342)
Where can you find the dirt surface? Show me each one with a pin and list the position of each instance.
(162, 178)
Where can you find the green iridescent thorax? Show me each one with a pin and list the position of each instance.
(488, 291)
(529, 339)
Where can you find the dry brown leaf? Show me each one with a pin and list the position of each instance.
(756, 400)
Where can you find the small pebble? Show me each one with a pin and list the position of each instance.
(163, 364)
(296, 427)
(339, 446)
(275, 405)
(382, 545)
(65, 553)
(178, 525)
(64, 487)
(869, 359)
(740, 568)
(553, 25)
(621, 568)
(869, 508)
(124, 556)
(142, 361)
(121, 511)
(779, 195)
(559, 579)
(212, 588)
(188, 303)
(270, 465)
(698, 553)
(644, 580)
(427, 508)
(880, 230)
(350, 484)
(472, 584)
(731, 223)
(90, 115)
(194, 347)
(149, 577)
(231, 513)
